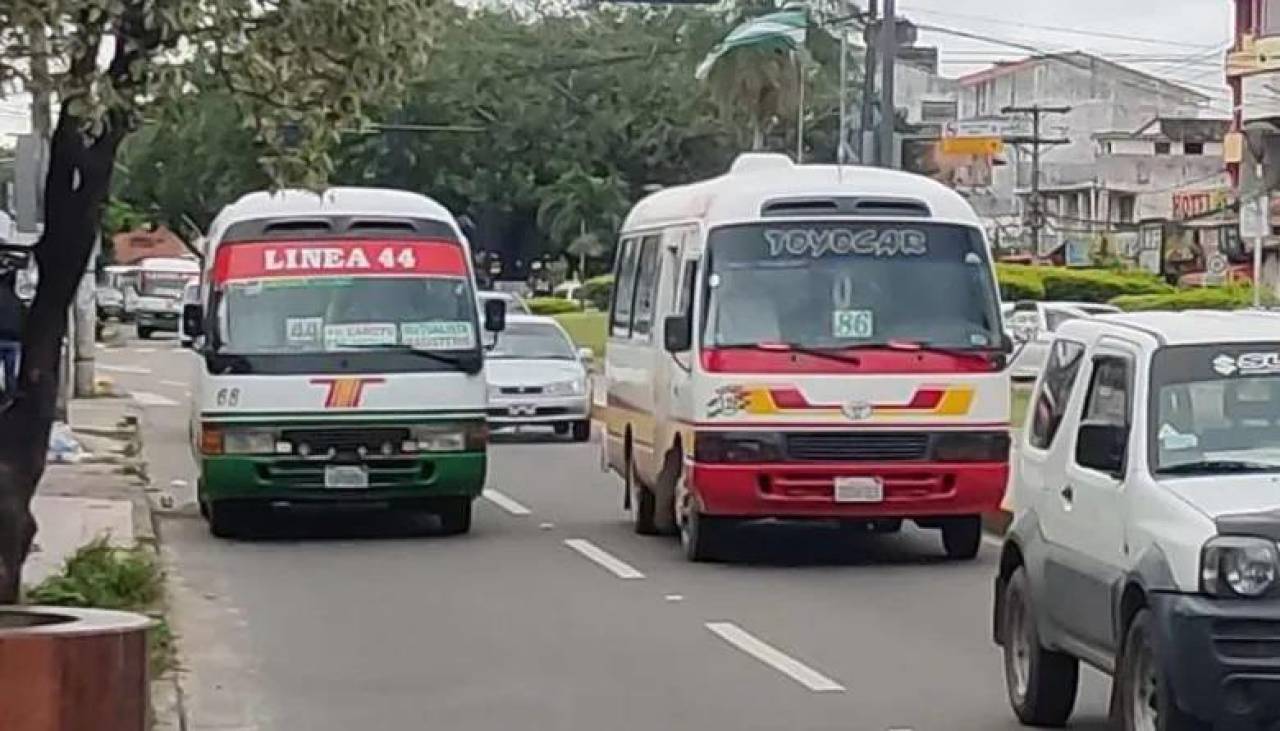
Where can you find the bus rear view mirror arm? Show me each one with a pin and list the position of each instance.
(677, 334)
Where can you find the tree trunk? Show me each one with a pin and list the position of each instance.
(78, 180)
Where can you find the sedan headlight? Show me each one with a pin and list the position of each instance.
(565, 388)
(248, 441)
(1239, 566)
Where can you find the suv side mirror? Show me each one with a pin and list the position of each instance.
(677, 334)
(192, 321)
(1101, 447)
(495, 315)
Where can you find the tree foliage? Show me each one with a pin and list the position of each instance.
(298, 70)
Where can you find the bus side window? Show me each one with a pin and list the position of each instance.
(684, 297)
(646, 285)
(624, 288)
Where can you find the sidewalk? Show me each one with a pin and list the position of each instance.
(102, 494)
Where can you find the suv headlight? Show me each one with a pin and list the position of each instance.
(1239, 566)
(564, 388)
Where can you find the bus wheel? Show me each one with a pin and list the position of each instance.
(644, 511)
(701, 535)
(455, 516)
(962, 537)
(228, 520)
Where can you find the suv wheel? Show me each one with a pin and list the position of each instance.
(582, 430)
(1145, 701)
(1041, 684)
(961, 537)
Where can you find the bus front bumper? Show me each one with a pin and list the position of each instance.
(290, 480)
(791, 490)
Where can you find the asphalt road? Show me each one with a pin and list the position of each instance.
(552, 614)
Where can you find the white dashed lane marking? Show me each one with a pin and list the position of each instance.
(506, 503)
(774, 658)
(152, 399)
(613, 564)
(125, 369)
(175, 384)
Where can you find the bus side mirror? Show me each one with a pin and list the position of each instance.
(192, 321)
(677, 334)
(495, 315)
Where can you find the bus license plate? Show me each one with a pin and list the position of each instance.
(859, 490)
(346, 477)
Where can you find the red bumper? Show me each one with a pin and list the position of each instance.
(808, 490)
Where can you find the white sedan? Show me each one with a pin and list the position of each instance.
(1031, 325)
(537, 378)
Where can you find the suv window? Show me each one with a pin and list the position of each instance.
(1055, 392)
(1108, 399)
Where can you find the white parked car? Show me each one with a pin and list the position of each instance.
(536, 377)
(1031, 325)
(1147, 521)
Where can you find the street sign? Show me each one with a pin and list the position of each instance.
(1255, 217)
(998, 128)
(972, 146)
(1215, 268)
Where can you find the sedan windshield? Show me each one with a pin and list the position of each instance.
(838, 285)
(1225, 420)
(531, 341)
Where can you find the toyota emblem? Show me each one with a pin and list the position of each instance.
(857, 410)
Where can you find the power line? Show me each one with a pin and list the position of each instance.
(1062, 29)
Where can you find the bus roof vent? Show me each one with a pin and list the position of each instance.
(754, 162)
(298, 226)
(367, 225)
(845, 206)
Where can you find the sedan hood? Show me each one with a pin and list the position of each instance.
(531, 372)
(1219, 495)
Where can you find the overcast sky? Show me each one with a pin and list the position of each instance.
(1181, 40)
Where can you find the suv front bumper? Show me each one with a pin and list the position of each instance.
(1222, 657)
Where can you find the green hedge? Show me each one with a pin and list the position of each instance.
(1199, 298)
(598, 290)
(1018, 282)
(551, 305)
(1099, 285)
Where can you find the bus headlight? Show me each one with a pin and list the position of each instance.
(1239, 566)
(248, 441)
(737, 446)
(451, 438)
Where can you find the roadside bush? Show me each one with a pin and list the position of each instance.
(1098, 285)
(1018, 282)
(598, 290)
(1199, 298)
(551, 305)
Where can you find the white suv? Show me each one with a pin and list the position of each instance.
(1147, 521)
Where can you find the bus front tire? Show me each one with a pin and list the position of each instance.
(455, 516)
(702, 536)
(962, 537)
(227, 520)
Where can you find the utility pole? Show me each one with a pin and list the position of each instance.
(866, 146)
(888, 51)
(1035, 216)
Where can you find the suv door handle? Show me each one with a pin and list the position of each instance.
(1068, 493)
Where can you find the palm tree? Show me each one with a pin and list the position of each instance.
(581, 212)
(760, 83)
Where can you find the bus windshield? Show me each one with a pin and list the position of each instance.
(313, 297)
(836, 285)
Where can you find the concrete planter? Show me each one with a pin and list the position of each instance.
(64, 669)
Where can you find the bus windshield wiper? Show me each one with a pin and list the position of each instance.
(782, 347)
(928, 347)
(1216, 466)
